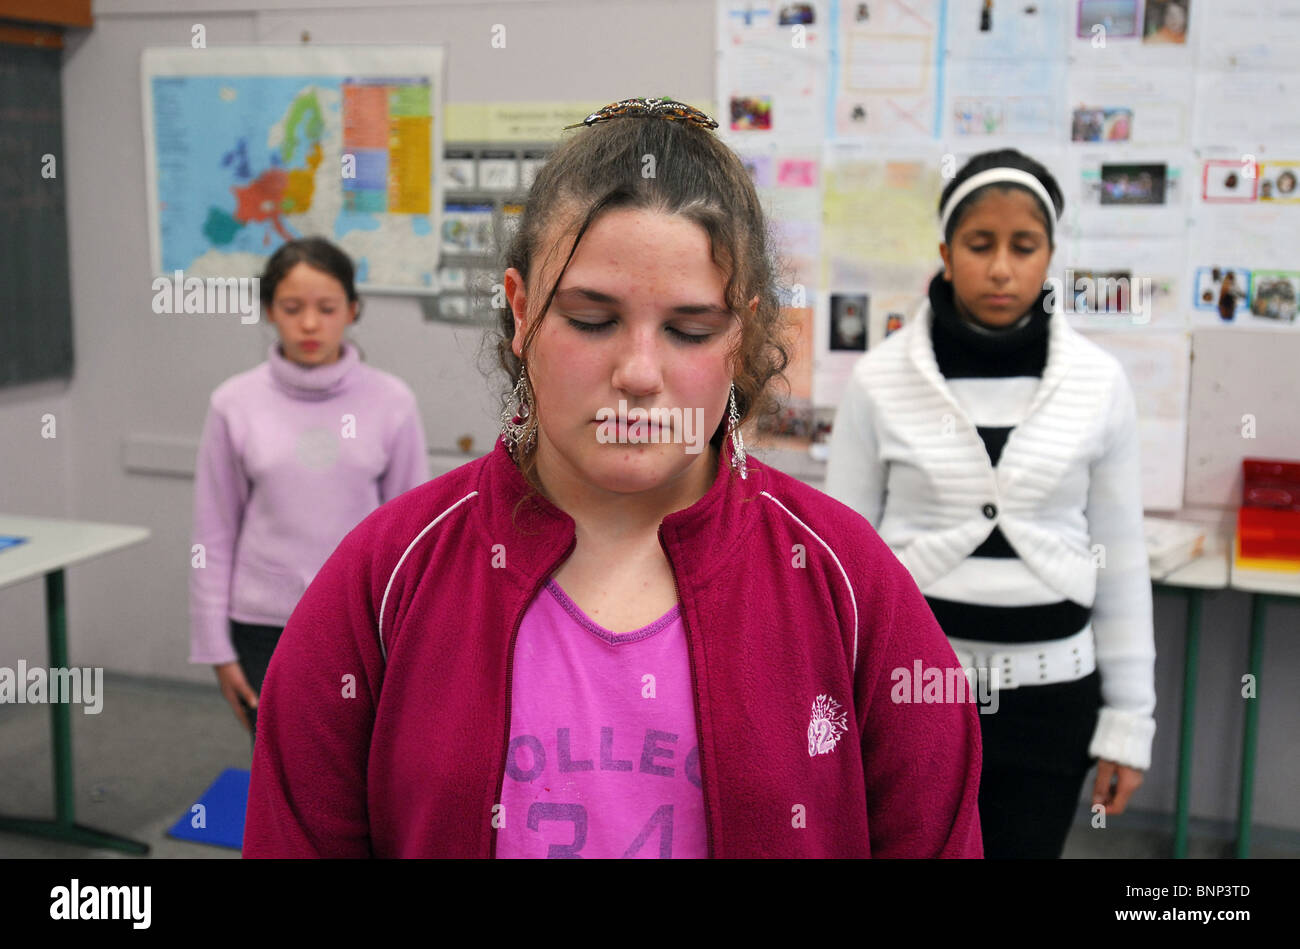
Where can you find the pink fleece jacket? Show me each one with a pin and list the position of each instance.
(385, 715)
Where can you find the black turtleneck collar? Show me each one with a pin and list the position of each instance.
(964, 349)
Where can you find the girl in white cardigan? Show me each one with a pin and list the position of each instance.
(995, 449)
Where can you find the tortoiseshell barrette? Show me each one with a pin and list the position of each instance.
(663, 106)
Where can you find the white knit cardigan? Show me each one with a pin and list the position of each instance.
(1067, 494)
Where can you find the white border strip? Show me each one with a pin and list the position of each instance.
(393, 576)
(852, 595)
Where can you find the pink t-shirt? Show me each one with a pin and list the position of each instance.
(603, 758)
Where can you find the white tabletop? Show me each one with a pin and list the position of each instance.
(53, 542)
(1278, 582)
(1209, 571)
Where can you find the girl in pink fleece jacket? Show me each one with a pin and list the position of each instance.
(615, 635)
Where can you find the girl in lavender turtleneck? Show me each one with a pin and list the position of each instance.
(294, 454)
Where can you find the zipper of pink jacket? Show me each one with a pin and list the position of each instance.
(510, 671)
(695, 689)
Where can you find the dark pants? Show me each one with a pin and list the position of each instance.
(1035, 762)
(1026, 814)
(254, 646)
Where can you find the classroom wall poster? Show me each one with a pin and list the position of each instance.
(249, 147)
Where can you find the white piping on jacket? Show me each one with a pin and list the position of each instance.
(393, 576)
(852, 596)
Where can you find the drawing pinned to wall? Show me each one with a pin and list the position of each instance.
(1004, 99)
(886, 79)
(1229, 181)
(1248, 106)
(1139, 106)
(1124, 282)
(1158, 366)
(772, 69)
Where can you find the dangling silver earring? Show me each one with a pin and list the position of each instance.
(520, 405)
(737, 440)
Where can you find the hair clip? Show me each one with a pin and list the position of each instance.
(663, 106)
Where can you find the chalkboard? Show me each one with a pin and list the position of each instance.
(35, 301)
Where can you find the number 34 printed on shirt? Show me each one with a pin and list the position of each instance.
(576, 814)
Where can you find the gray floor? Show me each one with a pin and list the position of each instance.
(159, 745)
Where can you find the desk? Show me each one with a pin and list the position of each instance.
(1262, 585)
(1209, 571)
(53, 544)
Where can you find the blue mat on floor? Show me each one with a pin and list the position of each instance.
(224, 804)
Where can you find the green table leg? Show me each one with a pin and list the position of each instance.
(1190, 662)
(1258, 612)
(64, 827)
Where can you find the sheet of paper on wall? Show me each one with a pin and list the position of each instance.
(879, 249)
(886, 84)
(1246, 108)
(772, 69)
(1243, 271)
(989, 99)
(1129, 106)
(1262, 34)
(977, 29)
(1123, 34)
(1129, 190)
(1123, 283)
(1158, 365)
(788, 181)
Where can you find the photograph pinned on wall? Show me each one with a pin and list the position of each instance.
(1133, 184)
(893, 323)
(458, 170)
(1278, 180)
(1225, 181)
(751, 113)
(849, 313)
(1100, 292)
(530, 163)
(1118, 18)
(467, 228)
(1102, 125)
(1165, 22)
(498, 169)
(1274, 294)
(1225, 290)
(796, 14)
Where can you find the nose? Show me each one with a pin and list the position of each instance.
(638, 369)
(310, 319)
(1000, 265)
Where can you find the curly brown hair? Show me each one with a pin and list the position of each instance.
(603, 167)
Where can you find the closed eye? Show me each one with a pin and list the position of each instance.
(689, 338)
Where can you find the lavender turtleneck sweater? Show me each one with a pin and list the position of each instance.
(291, 459)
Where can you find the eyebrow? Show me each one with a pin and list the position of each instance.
(684, 309)
(988, 233)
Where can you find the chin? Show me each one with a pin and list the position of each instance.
(630, 469)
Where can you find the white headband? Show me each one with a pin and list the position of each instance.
(992, 175)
